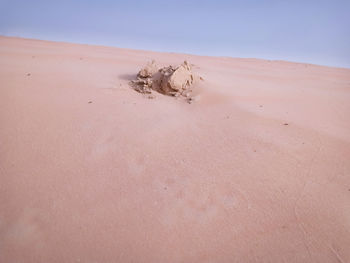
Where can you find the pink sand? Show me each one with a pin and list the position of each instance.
(257, 170)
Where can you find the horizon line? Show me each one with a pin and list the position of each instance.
(173, 52)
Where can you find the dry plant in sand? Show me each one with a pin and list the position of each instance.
(171, 81)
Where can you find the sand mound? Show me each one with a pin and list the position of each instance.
(148, 70)
(171, 81)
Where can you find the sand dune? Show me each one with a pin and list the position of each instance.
(256, 170)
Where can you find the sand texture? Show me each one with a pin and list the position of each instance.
(256, 169)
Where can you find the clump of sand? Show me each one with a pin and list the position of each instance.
(171, 81)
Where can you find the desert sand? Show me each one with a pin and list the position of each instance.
(256, 170)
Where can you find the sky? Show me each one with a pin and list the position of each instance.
(310, 31)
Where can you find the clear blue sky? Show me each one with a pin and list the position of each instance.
(314, 31)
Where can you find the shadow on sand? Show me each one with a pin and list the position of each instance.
(128, 77)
